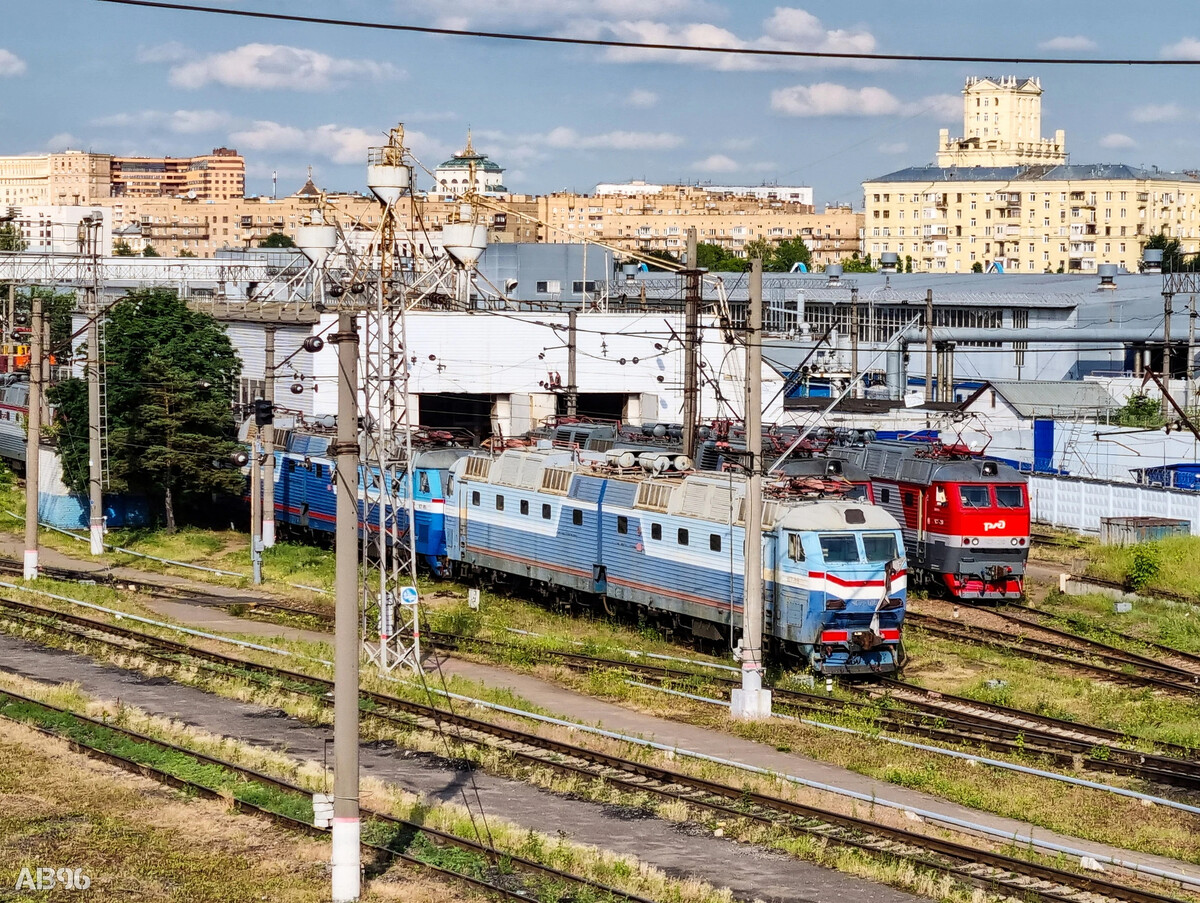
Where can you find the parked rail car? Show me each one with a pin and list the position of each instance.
(14, 409)
(966, 519)
(669, 548)
(306, 505)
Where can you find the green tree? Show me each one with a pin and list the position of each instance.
(908, 263)
(1172, 261)
(1140, 411)
(977, 267)
(717, 259)
(854, 264)
(121, 249)
(149, 251)
(760, 248)
(186, 253)
(11, 238)
(665, 256)
(277, 240)
(787, 254)
(170, 380)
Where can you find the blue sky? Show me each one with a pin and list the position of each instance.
(124, 80)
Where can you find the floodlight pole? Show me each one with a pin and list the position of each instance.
(346, 824)
(752, 701)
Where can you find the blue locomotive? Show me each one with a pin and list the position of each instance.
(305, 503)
(632, 532)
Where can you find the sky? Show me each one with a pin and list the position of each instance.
(116, 79)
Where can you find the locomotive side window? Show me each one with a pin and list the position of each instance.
(909, 499)
(474, 498)
(839, 548)
(885, 495)
(423, 482)
(545, 512)
(683, 536)
(1010, 496)
(939, 495)
(656, 531)
(795, 547)
(880, 546)
(499, 503)
(714, 542)
(975, 496)
(524, 506)
(577, 517)
(622, 523)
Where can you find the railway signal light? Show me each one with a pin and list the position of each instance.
(264, 412)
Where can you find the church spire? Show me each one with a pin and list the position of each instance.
(470, 151)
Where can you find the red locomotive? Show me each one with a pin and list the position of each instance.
(965, 519)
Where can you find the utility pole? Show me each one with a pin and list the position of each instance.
(856, 391)
(929, 345)
(33, 439)
(1168, 297)
(752, 701)
(255, 504)
(1191, 358)
(691, 347)
(346, 823)
(268, 435)
(9, 326)
(572, 375)
(95, 464)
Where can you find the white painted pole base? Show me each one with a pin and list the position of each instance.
(97, 539)
(31, 564)
(751, 702)
(268, 533)
(346, 859)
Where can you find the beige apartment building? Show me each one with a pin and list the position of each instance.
(43, 180)
(1004, 198)
(217, 176)
(660, 221)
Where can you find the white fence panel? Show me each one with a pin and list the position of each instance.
(1078, 503)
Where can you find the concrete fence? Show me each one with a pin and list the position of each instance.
(1078, 503)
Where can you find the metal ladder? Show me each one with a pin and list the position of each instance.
(1070, 447)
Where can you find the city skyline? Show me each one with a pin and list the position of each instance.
(292, 95)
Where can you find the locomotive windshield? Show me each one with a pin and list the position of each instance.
(880, 546)
(1010, 496)
(839, 548)
(974, 496)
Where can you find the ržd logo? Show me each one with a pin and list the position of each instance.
(993, 525)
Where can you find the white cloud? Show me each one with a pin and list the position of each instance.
(640, 97)
(336, 143)
(717, 163)
(63, 141)
(570, 139)
(181, 122)
(788, 28)
(895, 147)
(277, 66)
(829, 99)
(467, 13)
(739, 144)
(1068, 42)
(170, 52)
(10, 63)
(1183, 49)
(1160, 112)
(1116, 141)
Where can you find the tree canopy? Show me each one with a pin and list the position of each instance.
(170, 374)
(121, 248)
(277, 240)
(11, 238)
(1172, 249)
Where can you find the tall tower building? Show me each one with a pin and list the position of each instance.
(1002, 126)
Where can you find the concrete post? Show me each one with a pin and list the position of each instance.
(752, 701)
(268, 437)
(33, 440)
(691, 347)
(346, 823)
(572, 364)
(929, 396)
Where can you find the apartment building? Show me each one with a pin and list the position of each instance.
(218, 176)
(1002, 198)
(45, 180)
(659, 221)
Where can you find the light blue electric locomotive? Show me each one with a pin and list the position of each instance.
(641, 534)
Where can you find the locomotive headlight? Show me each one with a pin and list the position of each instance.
(1014, 542)
(974, 542)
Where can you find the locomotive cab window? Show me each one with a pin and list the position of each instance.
(1010, 496)
(795, 547)
(622, 523)
(656, 531)
(577, 517)
(974, 496)
(880, 546)
(839, 548)
(423, 482)
(524, 506)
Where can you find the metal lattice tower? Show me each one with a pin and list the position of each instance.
(391, 620)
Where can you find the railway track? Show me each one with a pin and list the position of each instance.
(971, 865)
(1092, 657)
(408, 830)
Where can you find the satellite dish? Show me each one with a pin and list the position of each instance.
(192, 195)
